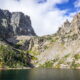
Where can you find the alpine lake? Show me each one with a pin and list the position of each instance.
(40, 74)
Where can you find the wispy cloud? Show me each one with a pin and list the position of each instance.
(77, 4)
(46, 18)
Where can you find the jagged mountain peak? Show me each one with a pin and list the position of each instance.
(66, 22)
(73, 27)
(65, 28)
(75, 24)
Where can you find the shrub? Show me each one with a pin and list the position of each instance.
(47, 64)
(77, 56)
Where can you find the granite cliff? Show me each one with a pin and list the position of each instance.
(20, 47)
(15, 24)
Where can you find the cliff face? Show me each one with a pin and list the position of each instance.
(60, 50)
(14, 24)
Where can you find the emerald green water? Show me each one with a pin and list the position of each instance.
(40, 74)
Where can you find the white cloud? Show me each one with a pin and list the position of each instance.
(77, 4)
(46, 18)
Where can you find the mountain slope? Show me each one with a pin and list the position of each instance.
(60, 50)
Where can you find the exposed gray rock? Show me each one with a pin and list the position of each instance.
(65, 28)
(14, 24)
(75, 24)
(70, 28)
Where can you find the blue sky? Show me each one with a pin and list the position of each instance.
(46, 15)
(67, 6)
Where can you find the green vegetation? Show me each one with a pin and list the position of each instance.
(21, 42)
(61, 61)
(74, 65)
(77, 56)
(33, 52)
(46, 47)
(52, 39)
(48, 64)
(66, 56)
(33, 58)
(56, 66)
(11, 57)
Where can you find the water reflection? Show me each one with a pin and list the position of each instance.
(40, 74)
(14, 75)
(55, 74)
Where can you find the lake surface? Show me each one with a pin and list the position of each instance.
(40, 74)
